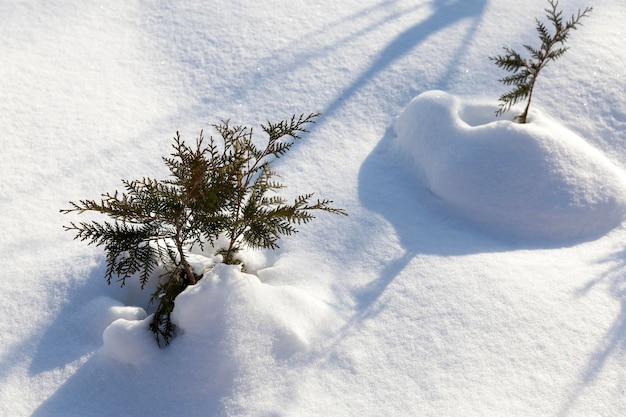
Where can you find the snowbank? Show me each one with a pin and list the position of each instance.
(100, 312)
(225, 304)
(525, 182)
(424, 320)
(129, 341)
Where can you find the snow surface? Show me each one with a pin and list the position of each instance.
(532, 181)
(440, 295)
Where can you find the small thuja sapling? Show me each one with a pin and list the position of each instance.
(224, 188)
(526, 71)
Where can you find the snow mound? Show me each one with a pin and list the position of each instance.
(226, 309)
(129, 341)
(100, 312)
(230, 303)
(525, 182)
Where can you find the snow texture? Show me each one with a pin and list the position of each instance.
(480, 272)
(536, 181)
(231, 303)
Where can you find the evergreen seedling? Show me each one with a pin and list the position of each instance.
(213, 191)
(526, 71)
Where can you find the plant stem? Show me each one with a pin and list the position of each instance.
(235, 231)
(183, 260)
(522, 117)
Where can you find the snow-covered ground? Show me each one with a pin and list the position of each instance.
(482, 269)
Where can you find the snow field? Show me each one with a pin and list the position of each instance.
(426, 301)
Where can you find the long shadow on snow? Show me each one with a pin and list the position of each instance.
(614, 340)
(279, 63)
(69, 336)
(65, 340)
(446, 14)
(103, 387)
(423, 223)
(383, 188)
(168, 386)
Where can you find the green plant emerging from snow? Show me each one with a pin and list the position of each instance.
(218, 189)
(526, 71)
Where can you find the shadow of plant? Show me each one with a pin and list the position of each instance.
(101, 387)
(423, 223)
(384, 187)
(70, 336)
(445, 13)
(105, 387)
(614, 340)
(266, 69)
(111, 390)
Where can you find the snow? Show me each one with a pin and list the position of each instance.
(277, 319)
(129, 341)
(536, 181)
(481, 269)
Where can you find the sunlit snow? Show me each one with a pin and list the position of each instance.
(481, 270)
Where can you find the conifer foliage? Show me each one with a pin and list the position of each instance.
(526, 71)
(224, 188)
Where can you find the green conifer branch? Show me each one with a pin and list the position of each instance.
(526, 71)
(210, 192)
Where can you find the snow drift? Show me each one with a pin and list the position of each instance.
(225, 304)
(525, 182)
(411, 316)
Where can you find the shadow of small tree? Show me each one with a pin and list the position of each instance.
(445, 13)
(70, 336)
(423, 223)
(614, 340)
